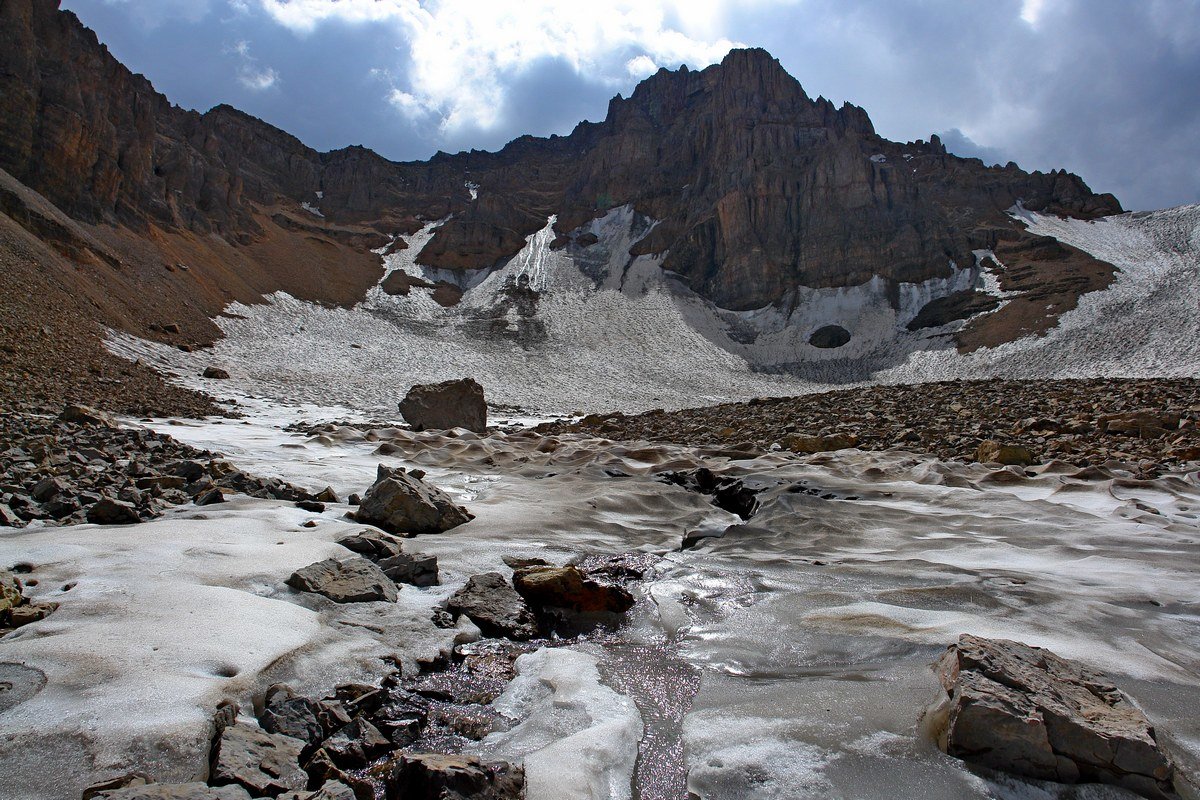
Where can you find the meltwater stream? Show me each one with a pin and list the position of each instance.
(787, 657)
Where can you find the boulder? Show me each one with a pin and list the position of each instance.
(112, 512)
(1024, 710)
(433, 776)
(10, 591)
(992, 452)
(216, 373)
(400, 502)
(266, 764)
(417, 570)
(567, 587)
(452, 404)
(354, 580)
(494, 606)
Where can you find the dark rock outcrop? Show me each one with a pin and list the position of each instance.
(1023, 709)
(401, 502)
(450, 404)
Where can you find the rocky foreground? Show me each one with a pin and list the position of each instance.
(1148, 426)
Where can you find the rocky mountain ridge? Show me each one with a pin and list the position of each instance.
(748, 188)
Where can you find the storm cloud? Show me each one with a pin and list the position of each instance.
(1105, 88)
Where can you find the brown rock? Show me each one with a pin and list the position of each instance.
(1023, 709)
(431, 776)
(992, 452)
(495, 607)
(451, 404)
(820, 444)
(216, 373)
(567, 587)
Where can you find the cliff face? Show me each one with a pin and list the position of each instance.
(757, 187)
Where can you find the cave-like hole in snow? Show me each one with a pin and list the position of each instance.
(829, 337)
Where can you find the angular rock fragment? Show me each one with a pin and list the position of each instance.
(354, 580)
(451, 404)
(113, 512)
(494, 606)
(432, 776)
(1024, 710)
(400, 502)
(288, 714)
(567, 587)
(330, 790)
(417, 570)
(374, 545)
(215, 373)
(266, 764)
(355, 745)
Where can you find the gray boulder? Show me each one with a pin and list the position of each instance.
(439, 406)
(266, 764)
(400, 502)
(495, 607)
(418, 570)
(1024, 710)
(433, 776)
(354, 580)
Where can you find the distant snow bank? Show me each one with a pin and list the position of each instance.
(589, 328)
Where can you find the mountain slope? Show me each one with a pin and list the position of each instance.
(762, 211)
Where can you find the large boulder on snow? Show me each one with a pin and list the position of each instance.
(1024, 710)
(452, 404)
(400, 502)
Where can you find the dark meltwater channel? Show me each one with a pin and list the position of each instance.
(662, 686)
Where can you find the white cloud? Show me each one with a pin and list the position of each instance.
(249, 73)
(463, 53)
(1031, 10)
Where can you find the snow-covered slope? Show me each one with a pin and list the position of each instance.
(589, 328)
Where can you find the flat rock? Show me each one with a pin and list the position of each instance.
(1024, 710)
(173, 791)
(432, 776)
(440, 406)
(494, 606)
(374, 545)
(354, 580)
(86, 415)
(567, 587)
(400, 502)
(266, 764)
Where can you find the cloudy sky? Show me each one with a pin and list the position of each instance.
(1106, 88)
